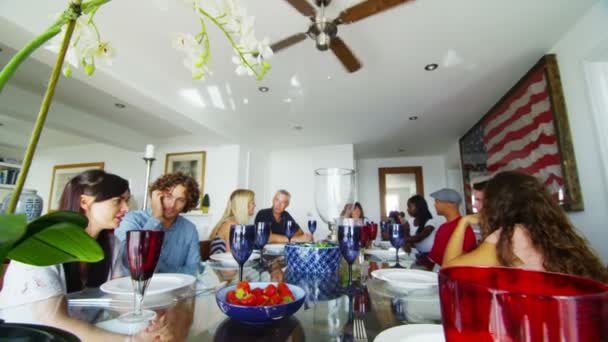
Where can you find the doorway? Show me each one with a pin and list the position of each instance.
(397, 185)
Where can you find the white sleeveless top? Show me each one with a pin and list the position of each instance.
(425, 245)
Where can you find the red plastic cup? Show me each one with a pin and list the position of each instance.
(510, 304)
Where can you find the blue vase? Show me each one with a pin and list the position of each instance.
(29, 204)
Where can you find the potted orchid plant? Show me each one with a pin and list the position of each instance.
(59, 237)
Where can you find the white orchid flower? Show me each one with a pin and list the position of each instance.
(184, 42)
(263, 49)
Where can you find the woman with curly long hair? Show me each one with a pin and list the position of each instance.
(523, 226)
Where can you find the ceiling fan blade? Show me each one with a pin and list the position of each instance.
(303, 7)
(366, 9)
(287, 42)
(350, 62)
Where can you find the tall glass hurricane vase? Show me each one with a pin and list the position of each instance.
(143, 251)
(242, 241)
(334, 188)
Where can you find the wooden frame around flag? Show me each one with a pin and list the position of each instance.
(526, 130)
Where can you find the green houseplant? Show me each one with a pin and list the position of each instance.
(60, 237)
(205, 205)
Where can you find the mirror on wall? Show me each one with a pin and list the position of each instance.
(397, 185)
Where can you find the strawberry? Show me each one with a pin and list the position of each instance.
(260, 301)
(231, 297)
(270, 290)
(258, 292)
(284, 290)
(275, 299)
(248, 300)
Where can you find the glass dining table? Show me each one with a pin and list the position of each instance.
(328, 313)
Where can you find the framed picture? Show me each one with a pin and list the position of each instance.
(527, 130)
(189, 163)
(62, 174)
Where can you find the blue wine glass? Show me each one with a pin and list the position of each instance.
(349, 241)
(290, 229)
(384, 230)
(396, 234)
(262, 234)
(242, 241)
(312, 227)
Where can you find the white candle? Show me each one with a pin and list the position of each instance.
(149, 151)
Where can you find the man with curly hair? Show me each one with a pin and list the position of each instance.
(171, 195)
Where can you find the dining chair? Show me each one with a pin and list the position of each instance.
(205, 247)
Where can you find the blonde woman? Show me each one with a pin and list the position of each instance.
(239, 209)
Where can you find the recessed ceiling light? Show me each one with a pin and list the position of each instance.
(431, 67)
(297, 128)
(413, 118)
(329, 77)
(287, 100)
(119, 105)
(263, 89)
(245, 100)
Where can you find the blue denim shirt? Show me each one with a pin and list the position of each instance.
(180, 252)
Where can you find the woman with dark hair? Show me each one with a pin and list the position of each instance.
(101, 197)
(357, 212)
(420, 234)
(523, 226)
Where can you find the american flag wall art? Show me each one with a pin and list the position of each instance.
(527, 130)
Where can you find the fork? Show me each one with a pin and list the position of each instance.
(359, 332)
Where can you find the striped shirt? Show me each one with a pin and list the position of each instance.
(217, 246)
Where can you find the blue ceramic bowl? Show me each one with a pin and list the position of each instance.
(318, 287)
(312, 260)
(260, 315)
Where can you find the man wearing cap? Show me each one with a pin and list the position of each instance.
(446, 204)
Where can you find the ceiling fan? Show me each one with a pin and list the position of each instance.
(325, 32)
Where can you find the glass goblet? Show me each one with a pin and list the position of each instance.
(262, 234)
(290, 229)
(242, 241)
(349, 241)
(143, 251)
(396, 233)
(312, 227)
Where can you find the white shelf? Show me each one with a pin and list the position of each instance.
(197, 212)
(7, 186)
(9, 165)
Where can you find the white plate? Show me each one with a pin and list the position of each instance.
(160, 283)
(274, 249)
(228, 259)
(387, 254)
(412, 333)
(407, 279)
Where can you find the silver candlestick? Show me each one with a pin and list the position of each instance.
(149, 162)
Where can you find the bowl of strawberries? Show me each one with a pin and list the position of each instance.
(260, 303)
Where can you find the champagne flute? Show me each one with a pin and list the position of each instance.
(290, 230)
(349, 241)
(312, 227)
(242, 240)
(396, 233)
(143, 251)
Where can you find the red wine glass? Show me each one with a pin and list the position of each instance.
(143, 251)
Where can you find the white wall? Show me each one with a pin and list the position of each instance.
(433, 172)
(11, 152)
(573, 51)
(293, 170)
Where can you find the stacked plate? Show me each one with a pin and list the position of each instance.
(407, 279)
(274, 249)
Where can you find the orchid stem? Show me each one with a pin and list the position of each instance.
(48, 97)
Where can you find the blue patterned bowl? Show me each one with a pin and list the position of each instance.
(312, 260)
(318, 287)
(260, 315)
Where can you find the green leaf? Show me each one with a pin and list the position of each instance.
(12, 228)
(48, 220)
(59, 243)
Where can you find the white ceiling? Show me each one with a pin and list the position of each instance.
(482, 47)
